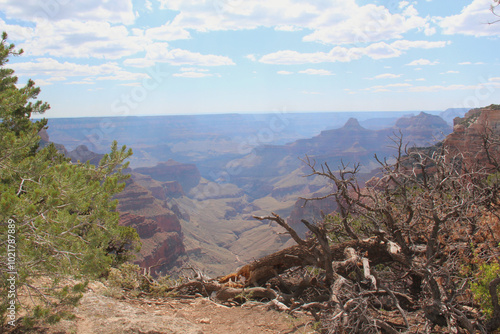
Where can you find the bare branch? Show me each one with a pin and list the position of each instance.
(276, 218)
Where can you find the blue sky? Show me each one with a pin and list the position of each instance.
(150, 57)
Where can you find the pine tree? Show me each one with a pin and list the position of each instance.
(57, 218)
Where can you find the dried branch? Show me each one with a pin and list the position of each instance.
(494, 323)
(276, 218)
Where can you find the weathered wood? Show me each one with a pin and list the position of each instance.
(255, 273)
(228, 294)
(192, 287)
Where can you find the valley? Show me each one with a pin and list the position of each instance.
(196, 181)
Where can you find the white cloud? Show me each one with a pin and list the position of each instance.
(403, 4)
(406, 87)
(161, 53)
(167, 32)
(82, 82)
(331, 22)
(116, 11)
(192, 74)
(251, 57)
(193, 69)
(473, 20)
(422, 62)
(124, 76)
(287, 28)
(131, 84)
(406, 45)
(451, 72)
(381, 90)
(388, 88)
(49, 81)
(289, 57)
(16, 32)
(386, 76)
(364, 24)
(138, 62)
(438, 88)
(378, 50)
(58, 71)
(284, 72)
(469, 63)
(312, 71)
(42, 82)
(68, 38)
(97, 28)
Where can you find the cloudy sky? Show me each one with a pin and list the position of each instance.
(145, 57)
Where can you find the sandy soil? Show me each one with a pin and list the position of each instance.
(101, 314)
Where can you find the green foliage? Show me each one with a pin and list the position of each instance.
(480, 288)
(128, 279)
(127, 276)
(65, 219)
(470, 120)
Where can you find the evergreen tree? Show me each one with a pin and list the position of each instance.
(57, 218)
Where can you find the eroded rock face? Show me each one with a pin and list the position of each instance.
(164, 250)
(187, 175)
(158, 226)
(134, 198)
(423, 129)
(311, 211)
(468, 134)
(83, 154)
(353, 143)
(146, 228)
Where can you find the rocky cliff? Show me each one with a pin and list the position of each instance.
(354, 144)
(160, 190)
(423, 129)
(158, 227)
(351, 143)
(187, 175)
(470, 131)
(83, 154)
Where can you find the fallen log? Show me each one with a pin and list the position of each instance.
(197, 287)
(256, 273)
(227, 294)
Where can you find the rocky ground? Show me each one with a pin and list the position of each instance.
(98, 313)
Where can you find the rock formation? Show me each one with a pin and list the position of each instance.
(158, 227)
(187, 175)
(469, 131)
(423, 129)
(83, 154)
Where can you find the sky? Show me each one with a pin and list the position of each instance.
(170, 57)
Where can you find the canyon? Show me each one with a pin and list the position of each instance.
(196, 184)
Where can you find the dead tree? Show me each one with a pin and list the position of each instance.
(431, 205)
(402, 242)
(407, 246)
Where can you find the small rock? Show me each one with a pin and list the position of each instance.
(205, 321)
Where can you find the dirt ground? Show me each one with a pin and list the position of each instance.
(249, 318)
(98, 313)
